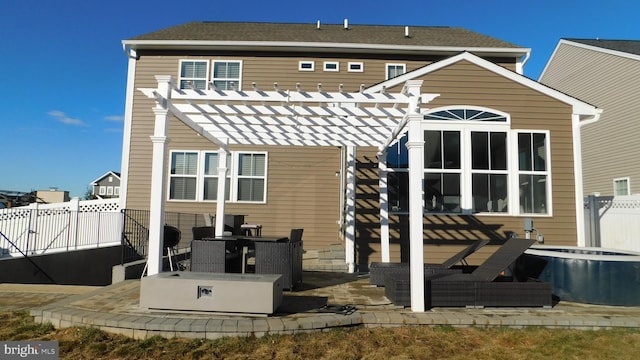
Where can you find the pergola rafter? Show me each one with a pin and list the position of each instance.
(299, 118)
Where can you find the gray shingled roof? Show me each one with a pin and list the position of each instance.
(628, 46)
(431, 36)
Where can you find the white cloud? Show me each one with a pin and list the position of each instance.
(114, 118)
(63, 118)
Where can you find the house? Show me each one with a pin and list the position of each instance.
(605, 73)
(106, 186)
(52, 195)
(379, 138)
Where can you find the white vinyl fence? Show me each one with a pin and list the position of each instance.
(613, 222)
(45, 228)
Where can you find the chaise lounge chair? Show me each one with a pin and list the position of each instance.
(378, 271)
(480, 288)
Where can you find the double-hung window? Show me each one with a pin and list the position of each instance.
(193, 74)
(194, 176)
(226, 74)
(468, 167)
(394, 70)
(183, 176)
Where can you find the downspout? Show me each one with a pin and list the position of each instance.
(577, 171)
(520, 64)
(126, 133)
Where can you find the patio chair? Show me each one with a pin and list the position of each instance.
(281, 257)
(171, 239)
(206, 255)
(379, 270)
(482, 287)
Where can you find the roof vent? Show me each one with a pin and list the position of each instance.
(406, 32)
(346, 24)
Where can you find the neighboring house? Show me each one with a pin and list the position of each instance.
(498, 147)
(106, 186)
(605, 73)
(51, 196)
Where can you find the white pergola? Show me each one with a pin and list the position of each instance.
(277, 117)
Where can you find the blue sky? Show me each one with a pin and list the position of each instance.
(63, 71)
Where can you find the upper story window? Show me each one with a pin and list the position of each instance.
(306, 66)
(331, 66)
(227, 75)
(468, 167)
(194, 176)
(394, 70)
(356, 67)
(193, 74)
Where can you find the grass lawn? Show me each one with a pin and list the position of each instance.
(352, 343)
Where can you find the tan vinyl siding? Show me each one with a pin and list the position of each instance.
(467, 84)
(610, 82)
(303, 190)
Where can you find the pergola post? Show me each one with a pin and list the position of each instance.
(222, 184)
(384, 206)
(415, 146)
(158, 176)
(350, 233)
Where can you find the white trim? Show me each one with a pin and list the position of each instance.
(336, 63)
(355, 63)
(301, 64)
(579, 107)
(108, 173)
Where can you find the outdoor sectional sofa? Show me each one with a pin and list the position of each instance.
(484, 287)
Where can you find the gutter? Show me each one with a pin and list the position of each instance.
(318, 47)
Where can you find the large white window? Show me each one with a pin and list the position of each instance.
(194, 176)
(193, 74)
(227, 74)
(468, 167)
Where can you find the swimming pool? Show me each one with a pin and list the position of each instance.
(586, 275)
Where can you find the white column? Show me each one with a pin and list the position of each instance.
(222, 183)
(384, 206)
(158, 176)
(350, 231)
(415, 145)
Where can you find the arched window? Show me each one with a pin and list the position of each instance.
(468, 167)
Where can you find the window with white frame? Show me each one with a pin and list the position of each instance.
(306, 66)
(533, 172)
(621, 186)
(467, 167)
(194, 176)
(183, 175)
(331, 66)
(210, 177)
(116, 191)
(110, 190)
(193, 74)
(394, 70)
(102, 190)
(356, 67)
(227, 74)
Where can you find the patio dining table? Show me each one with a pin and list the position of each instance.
(273, 255)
